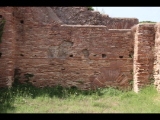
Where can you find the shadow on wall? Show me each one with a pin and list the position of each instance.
(2, 22)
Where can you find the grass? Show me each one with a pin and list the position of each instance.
(26, 98)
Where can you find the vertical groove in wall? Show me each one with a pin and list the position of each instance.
(135, 57)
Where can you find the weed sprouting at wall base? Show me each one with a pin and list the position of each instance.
(18, 76)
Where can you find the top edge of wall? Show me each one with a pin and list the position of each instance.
(119, 29)
(123, 18)
(147, 23)
(83, 26)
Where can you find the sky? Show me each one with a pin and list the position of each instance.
(142, 13)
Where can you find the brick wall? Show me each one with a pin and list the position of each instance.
(157, 57)
(121, 23)
(143, 55)
(7, 48)
(74, 55)
(36, 42)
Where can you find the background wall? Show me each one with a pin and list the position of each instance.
(75, 55)
(83, 16)
(38, 45)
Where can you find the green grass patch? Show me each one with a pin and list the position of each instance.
(25, 98)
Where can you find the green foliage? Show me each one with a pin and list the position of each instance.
(90, 8)
(147, 22)
(26, 98)
(152, 80)
(131, 82)
(2, 22)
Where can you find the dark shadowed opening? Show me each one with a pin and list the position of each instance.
(0, 54)
(103, 55)
(120, 56)
(21, 21)
(21, 55)
(71, 56)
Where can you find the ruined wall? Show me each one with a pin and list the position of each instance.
(38, 46)
(49, 53)
(74, 55)
(7, 47)
(121, 23)
(157, 57)
(143, 55)
(83, 16)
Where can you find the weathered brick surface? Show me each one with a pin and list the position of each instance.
(7, 48)
(157, 57)
(143, 55)
(82, 56)
(92, 51)
(83, 16)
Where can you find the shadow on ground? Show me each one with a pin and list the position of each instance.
(19, 91)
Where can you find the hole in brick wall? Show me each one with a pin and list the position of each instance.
(0, 16)
(21, 55)
(70, 55)
(140, 70)
(130, 55)
(94, 55)
(0, 54)
(21, 21)
(62, 68)
(103, 55)
(35, 55)
(120, 56)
